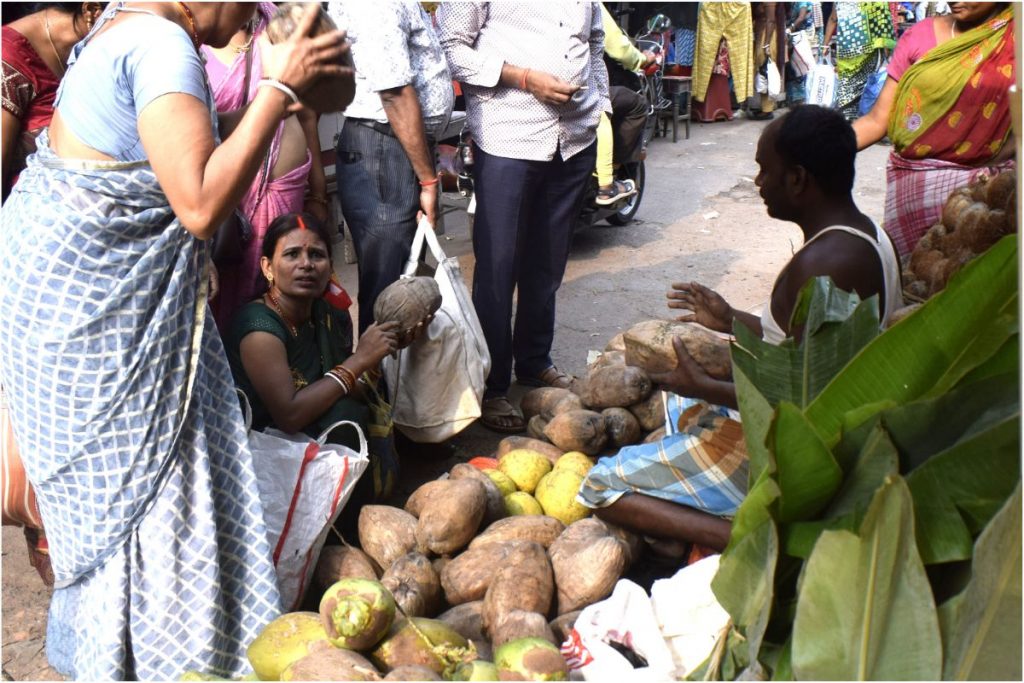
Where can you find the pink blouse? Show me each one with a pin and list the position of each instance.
(913, 45)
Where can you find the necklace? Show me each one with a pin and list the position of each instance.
(46, 23)
(251, 29)
(277, 307)
(952, 29)
(190, 18)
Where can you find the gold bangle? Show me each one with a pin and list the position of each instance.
(319, 199)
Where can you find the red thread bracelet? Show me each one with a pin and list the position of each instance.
(428, 183)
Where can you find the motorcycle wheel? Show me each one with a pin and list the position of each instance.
(625, 215)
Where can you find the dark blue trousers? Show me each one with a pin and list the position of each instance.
(379, 199)
(525, 215)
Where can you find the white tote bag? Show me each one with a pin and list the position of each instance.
(304, 484)
(437, 383)
(821, 83)
(801, 55)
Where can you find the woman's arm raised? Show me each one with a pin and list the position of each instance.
(204, 182)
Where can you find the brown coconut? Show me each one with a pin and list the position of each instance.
(326, 94)
(338, 562)
(414, 584)
(407, 301)
(386, 533)
(649, 346)
(495, 507)
(958, 200)
(615, 386)
(448, 524)
(587, 561)
(534, 528)
(577, 430)
(622, 427)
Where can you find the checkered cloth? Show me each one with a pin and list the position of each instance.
(120, 389)
(701, 463)
(916, 191)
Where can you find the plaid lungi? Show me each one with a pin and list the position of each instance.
(701, 463)
(916, 191)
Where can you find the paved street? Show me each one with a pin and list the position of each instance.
(701, 219)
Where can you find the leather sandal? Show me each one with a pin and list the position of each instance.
(499, 415)
(552, 377)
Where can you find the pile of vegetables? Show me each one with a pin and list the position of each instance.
(615, 404)
(973, 219)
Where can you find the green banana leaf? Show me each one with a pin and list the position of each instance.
(807, 473)
(981, 627)
(755, 509)
(865, 609)
(838, 326)
(877, 461)
(757, 417)
(956, 331)
(959, 490)
(744, 584)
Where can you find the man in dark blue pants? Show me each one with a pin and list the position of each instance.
(535, 86)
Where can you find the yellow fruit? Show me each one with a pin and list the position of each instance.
(522, 503)
(283, 641)
(556, 494)
(501, 480)
(524, 467)
(576, 462)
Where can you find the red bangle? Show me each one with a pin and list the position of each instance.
(428, 183)
(522, 83)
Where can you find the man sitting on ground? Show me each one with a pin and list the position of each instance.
(685, 487)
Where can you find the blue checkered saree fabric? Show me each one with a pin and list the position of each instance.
(124, 409)
(701, 462)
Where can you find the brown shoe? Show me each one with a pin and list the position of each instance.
(552, 377)
(499, 415)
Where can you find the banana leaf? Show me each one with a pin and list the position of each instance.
(757, 417)
(981, 627)
(865, 609)
(837, 326)
(807, 473)
(959, 490)
(744, 584)
(755, 509)
(956, 331)
(878, 461)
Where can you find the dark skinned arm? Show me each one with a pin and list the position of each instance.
(663, 519)
(402, 107)
(690, 379)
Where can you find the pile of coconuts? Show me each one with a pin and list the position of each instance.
(616, 404)
(475, 593)
(973, 219)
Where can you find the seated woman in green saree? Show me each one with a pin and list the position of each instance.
(291, 351)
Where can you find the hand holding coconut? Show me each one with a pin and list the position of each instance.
(310, 57)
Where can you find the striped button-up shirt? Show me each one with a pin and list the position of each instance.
(563, 38)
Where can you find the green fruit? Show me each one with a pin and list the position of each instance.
(502, 481)
(477, 670)
(556, 494)
(524, 467)
(356, 613)
(522, 503)
(283, 641)
(423, 642)
(530, 659)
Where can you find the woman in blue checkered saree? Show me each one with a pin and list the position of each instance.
(120, 393)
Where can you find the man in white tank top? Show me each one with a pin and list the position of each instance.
(806, 162)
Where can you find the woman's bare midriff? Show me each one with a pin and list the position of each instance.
(66, 144)
(293, 151)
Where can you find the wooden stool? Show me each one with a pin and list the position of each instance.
(675, 88)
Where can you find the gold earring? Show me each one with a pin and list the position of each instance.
(88, 24)
(270, 279)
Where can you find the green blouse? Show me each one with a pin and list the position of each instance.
(322, 343)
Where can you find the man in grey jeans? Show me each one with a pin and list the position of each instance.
(385, 165)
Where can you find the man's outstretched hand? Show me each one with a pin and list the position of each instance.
(707, 306)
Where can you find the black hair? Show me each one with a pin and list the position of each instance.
(821, 141)
(12, 11)
(285, 223)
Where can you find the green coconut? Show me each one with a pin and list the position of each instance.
(423, 642)
(328, 663)
(530, 659)
(356, 613)
(284, 640)
(477, 670)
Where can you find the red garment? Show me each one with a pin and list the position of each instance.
(29, 91)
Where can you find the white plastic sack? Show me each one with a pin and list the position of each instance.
(821, 83)
(304, 485)
(775, 90)
(437, 383)
(626, 617)
(801, 56)
(674, 629)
